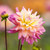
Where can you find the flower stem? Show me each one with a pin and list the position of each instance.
(5, 36)
(19, 45)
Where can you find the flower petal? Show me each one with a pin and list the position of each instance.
(17, 9)
(22, 40)
(14, 30)
(13, 19)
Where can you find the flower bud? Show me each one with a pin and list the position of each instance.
(4, 15)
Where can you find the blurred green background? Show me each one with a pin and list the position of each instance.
(43, 8)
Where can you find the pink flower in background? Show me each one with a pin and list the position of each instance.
(47, 5)
(9, 12)
(29, 26)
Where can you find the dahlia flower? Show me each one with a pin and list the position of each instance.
(29, 26)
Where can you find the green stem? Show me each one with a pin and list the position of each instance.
(5, 36)
(19, 45)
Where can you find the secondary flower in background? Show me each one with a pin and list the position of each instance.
(4, 15)
(29, 26)
(47, 5)
(9, 12)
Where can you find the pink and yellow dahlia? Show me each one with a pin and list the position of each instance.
(29, 26)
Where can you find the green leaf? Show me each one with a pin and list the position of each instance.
(2, 19)
(35, 47)
(23, 48)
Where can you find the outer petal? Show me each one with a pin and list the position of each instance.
(13, 19)
(13, 30)
(41, 29)
(38, 36)
(17, 9)
(35, 13)
(30, 10)
(22, 40)
(30, 40)
(23, 9)
(19, 35)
